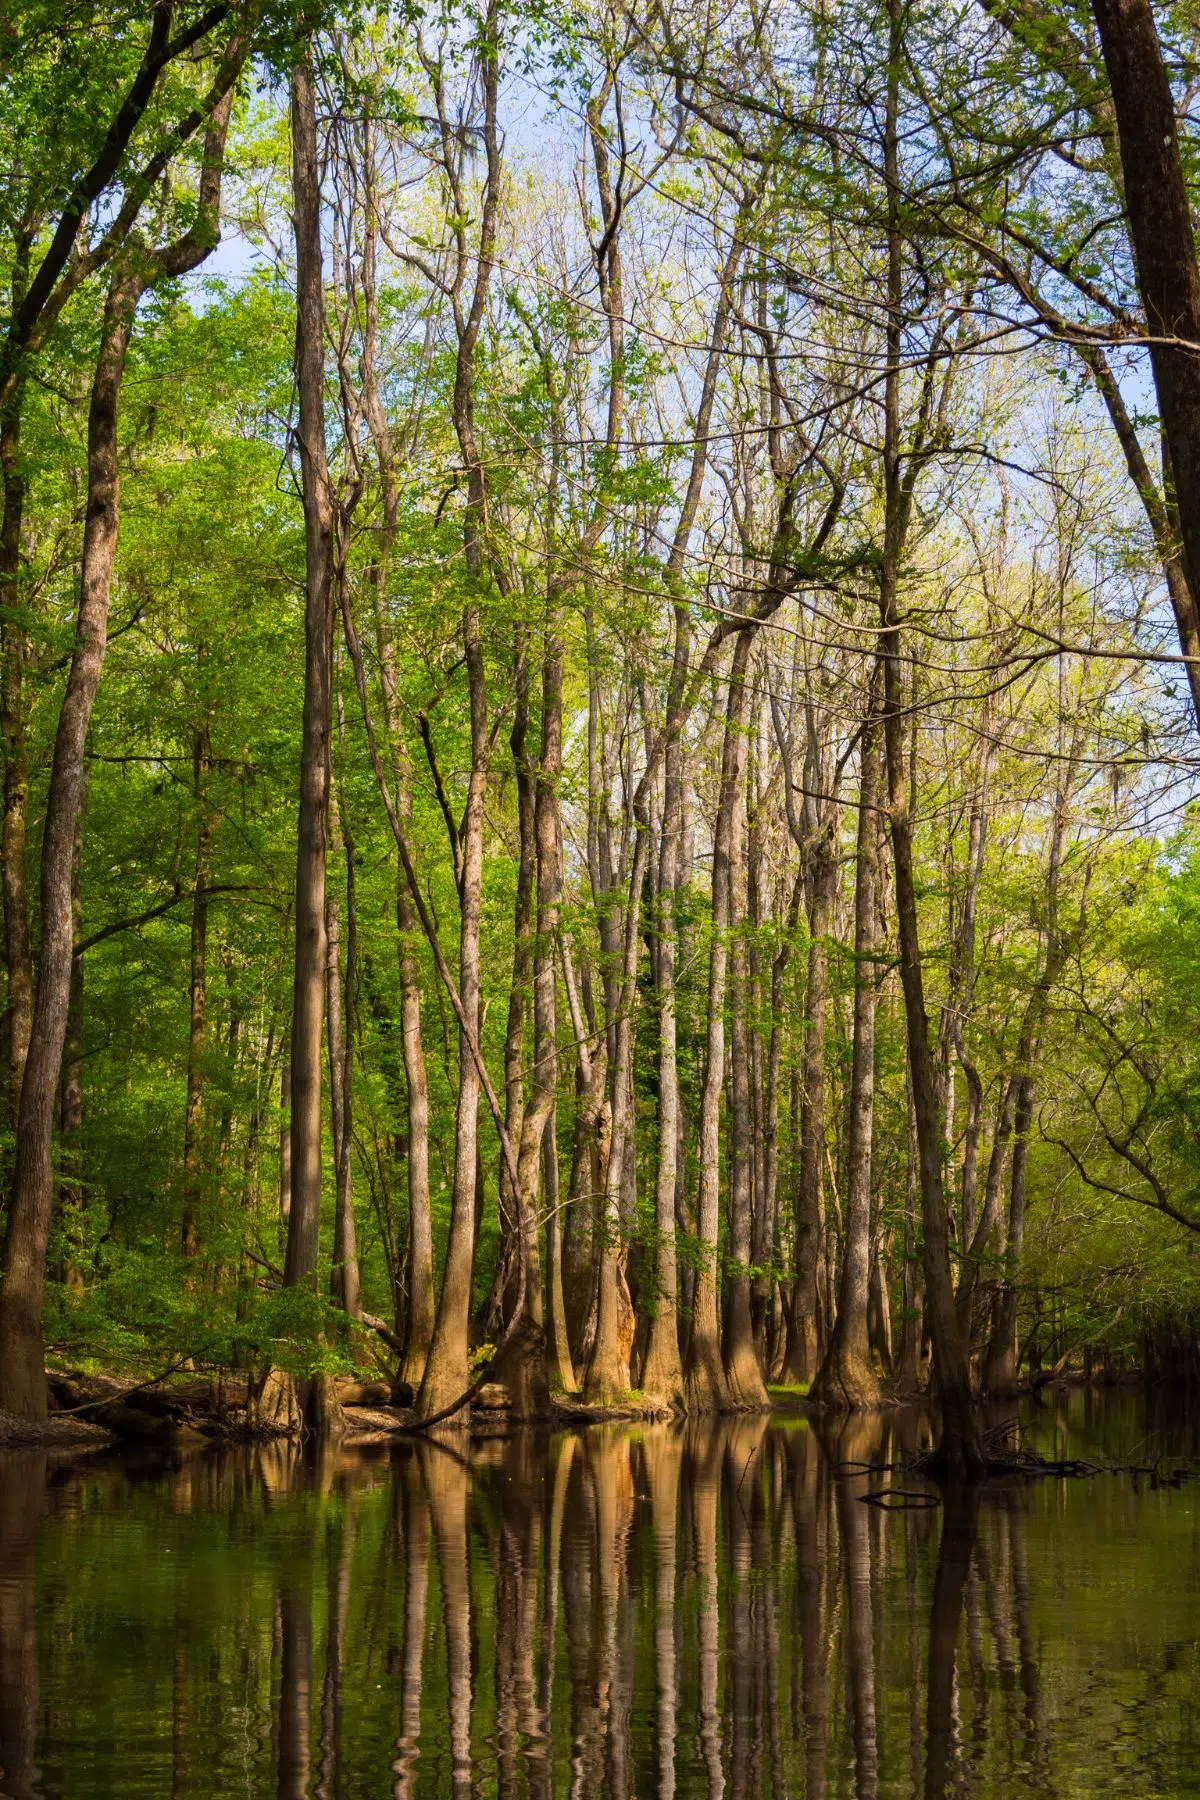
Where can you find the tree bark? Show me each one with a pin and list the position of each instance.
(1164, 245)
(344, 1278)
(193, 1122)
(22, 1358)
(847, 1377)
(742, 1373)
(960, 1448)
(308, 990)
(14, 708)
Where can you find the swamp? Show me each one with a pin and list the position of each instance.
(600, 898)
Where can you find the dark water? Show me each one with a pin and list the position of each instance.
(704, 1611)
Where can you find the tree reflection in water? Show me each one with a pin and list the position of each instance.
(697, 1610)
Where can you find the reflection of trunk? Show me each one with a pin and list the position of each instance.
(416, 1591)
(807, 1505)
(295, 1693)
(854, 1522)
(959, 1523)
(329, 1782)
(847, 1377)
(22, 1495)
(446, 1482)
(745, 1603)
(707, 1446)
(663, 1451)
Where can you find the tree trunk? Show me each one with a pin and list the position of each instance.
(804, 1335)
(22, 1359)
(742, 1373)
(193, 1122)
(1164, 245)
(344, 1275)
(662, 1372)
(1001, 1367)
(707, 1382)
(72, 1196)
(847, 1377)
(14, 710)
(960, 1448)
(308, 991)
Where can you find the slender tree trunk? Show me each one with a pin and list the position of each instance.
(72, 1195)
(804, 1319)
(1001, 1367)
(1164, 244)
(344, 1275)
(308, 992)
(193, 1124)
(707, 1382)
(960, 1447)
(285, 1139)
(847, 1376)
(14, 708)
(22, 1359)
(742, 1373)
(662, 1373)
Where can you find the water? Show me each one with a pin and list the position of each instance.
(709, 1611)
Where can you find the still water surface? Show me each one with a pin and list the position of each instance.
(701, 1611)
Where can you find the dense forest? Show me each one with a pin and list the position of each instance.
(600, 675)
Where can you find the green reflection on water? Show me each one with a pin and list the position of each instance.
(699, 1610)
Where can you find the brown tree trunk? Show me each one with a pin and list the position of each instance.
(847, 1376)
(344, 1275)
(960, 1448)
(193, 1122)
(14, 708)
(1001, 1370)
(308, 991)
(804, 1320)
(72, 1199)
(419, 1317)
(1164, 245)
(742, 1373)
(22, 1362)
(707, 1382)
